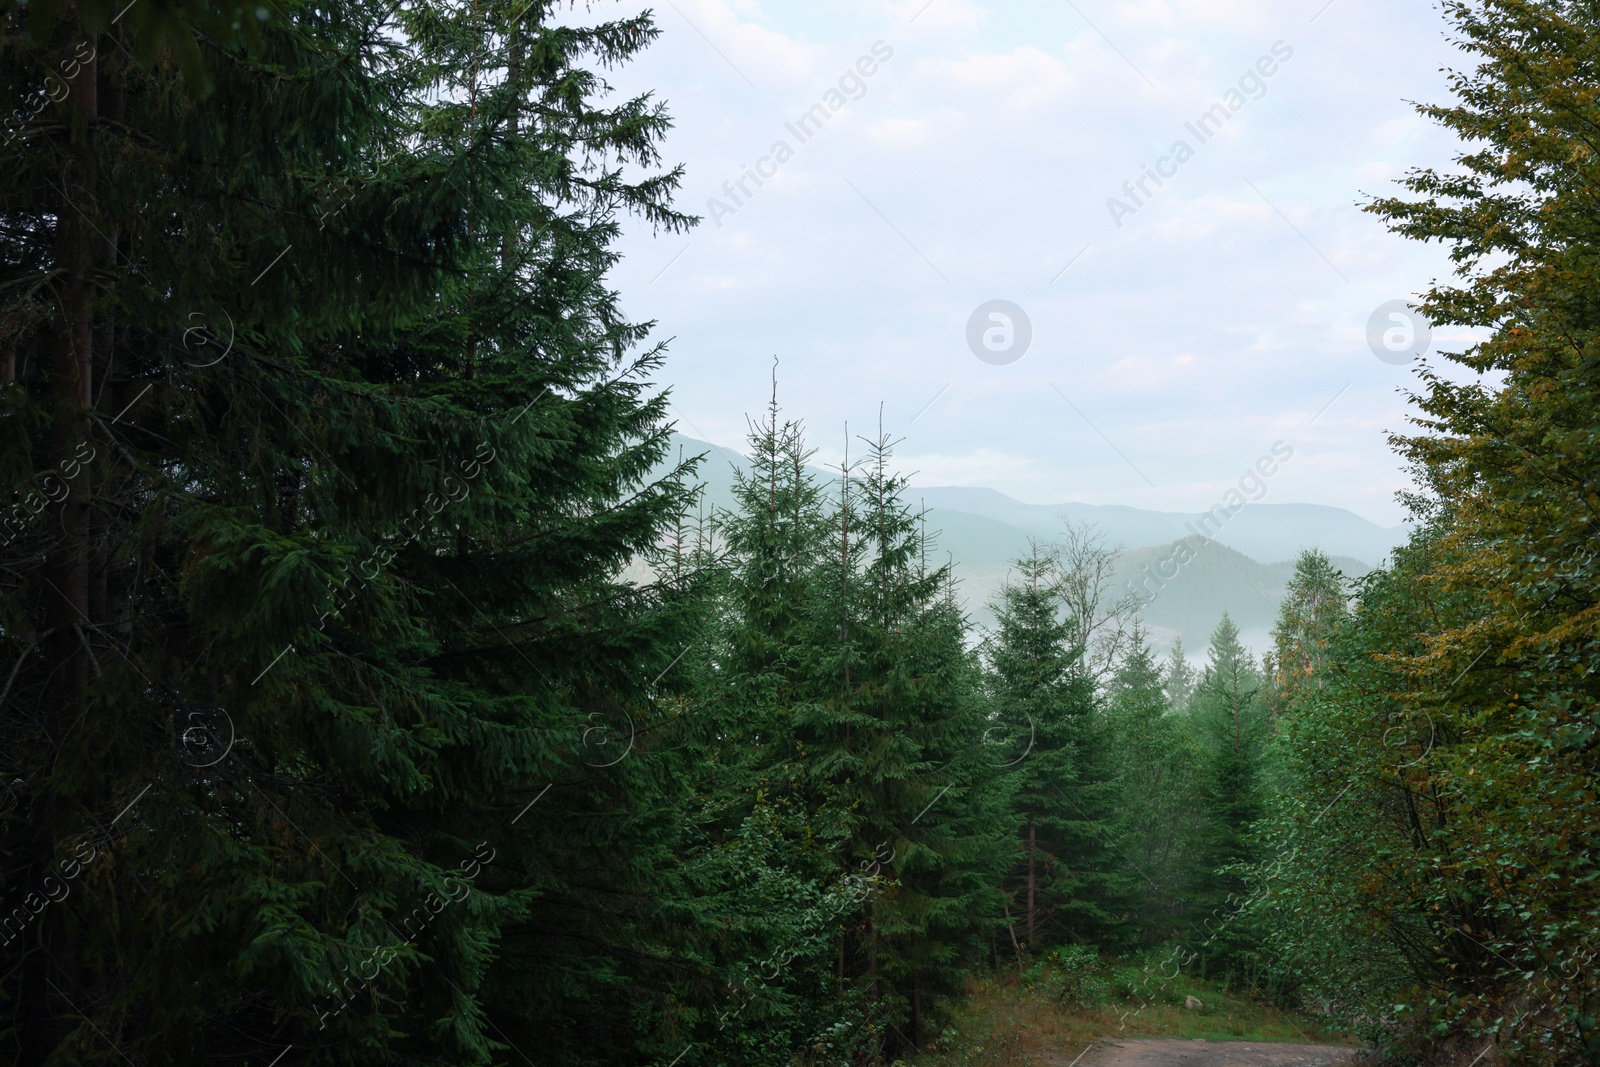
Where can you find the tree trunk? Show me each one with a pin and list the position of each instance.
(67, 565)
(872, 961)
(916, 1011)
(1033, 884)
(71, 367)
(1013, 929)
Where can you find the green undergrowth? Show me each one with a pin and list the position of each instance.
(1048, 1015)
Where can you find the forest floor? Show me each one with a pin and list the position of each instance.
(1004, 1024)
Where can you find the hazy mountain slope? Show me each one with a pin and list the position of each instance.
(1216, 579)
(983, 530)
(1261, 530)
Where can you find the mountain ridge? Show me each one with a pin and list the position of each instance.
(981, 530)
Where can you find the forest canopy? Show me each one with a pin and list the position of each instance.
(368, 695)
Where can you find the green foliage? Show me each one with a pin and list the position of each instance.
(372, 700)
(1038, 661)
(1228, 715)
(1074, 974)
(1450, 882)
(1314, 602)
(1158, 818)
(332, 608)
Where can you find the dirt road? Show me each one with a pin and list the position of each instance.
(1172, 1052)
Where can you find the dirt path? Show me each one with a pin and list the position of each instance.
(1173, 1052)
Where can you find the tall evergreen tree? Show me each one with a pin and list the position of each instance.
(1044, 664)
(327, 640)
(1029, 657)
(764, 849)
(1228, 716)
(894, 731)
(1156, 758)
(1314, 601)
(1178, 682)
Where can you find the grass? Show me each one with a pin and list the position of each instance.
(1004, 1023)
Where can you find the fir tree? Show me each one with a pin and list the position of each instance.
(1029, 657)
(1229, 720)
(1313, 604)
(1178, 682)
(893, 740)
(1156, 761)
(1044, 666)
(329, 641)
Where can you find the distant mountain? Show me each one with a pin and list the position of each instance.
(983, 530)
(1215, 579)
(1263, 531)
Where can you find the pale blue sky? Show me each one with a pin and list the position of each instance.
(977, 163)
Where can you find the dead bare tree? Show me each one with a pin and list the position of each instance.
(1103, 626)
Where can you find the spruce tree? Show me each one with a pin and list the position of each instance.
(892, 740)
(1229, 720)
(1155, 757)
(1029, 658)
(1179, 679)
(328, 642)
(761, 849)
(1313, 604)
(1044, 664)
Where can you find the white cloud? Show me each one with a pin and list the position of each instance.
(989, 145)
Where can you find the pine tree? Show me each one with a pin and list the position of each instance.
(1154, 828)
(1229, 719)
(1029, 657)
(327, 641)
(1314, 602)
(1179, 680)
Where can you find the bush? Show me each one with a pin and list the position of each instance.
(1072, 973)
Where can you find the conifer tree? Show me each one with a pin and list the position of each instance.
(1313, 604)
(763, 850)
(1156, 757)
(1029, 657)
(328, 639)
(1179, 679)
(892, 740)
(1229, 719)
(1045, 664)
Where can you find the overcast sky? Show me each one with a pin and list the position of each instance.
(963, 152)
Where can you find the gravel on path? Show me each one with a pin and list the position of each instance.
(1175, 1052)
